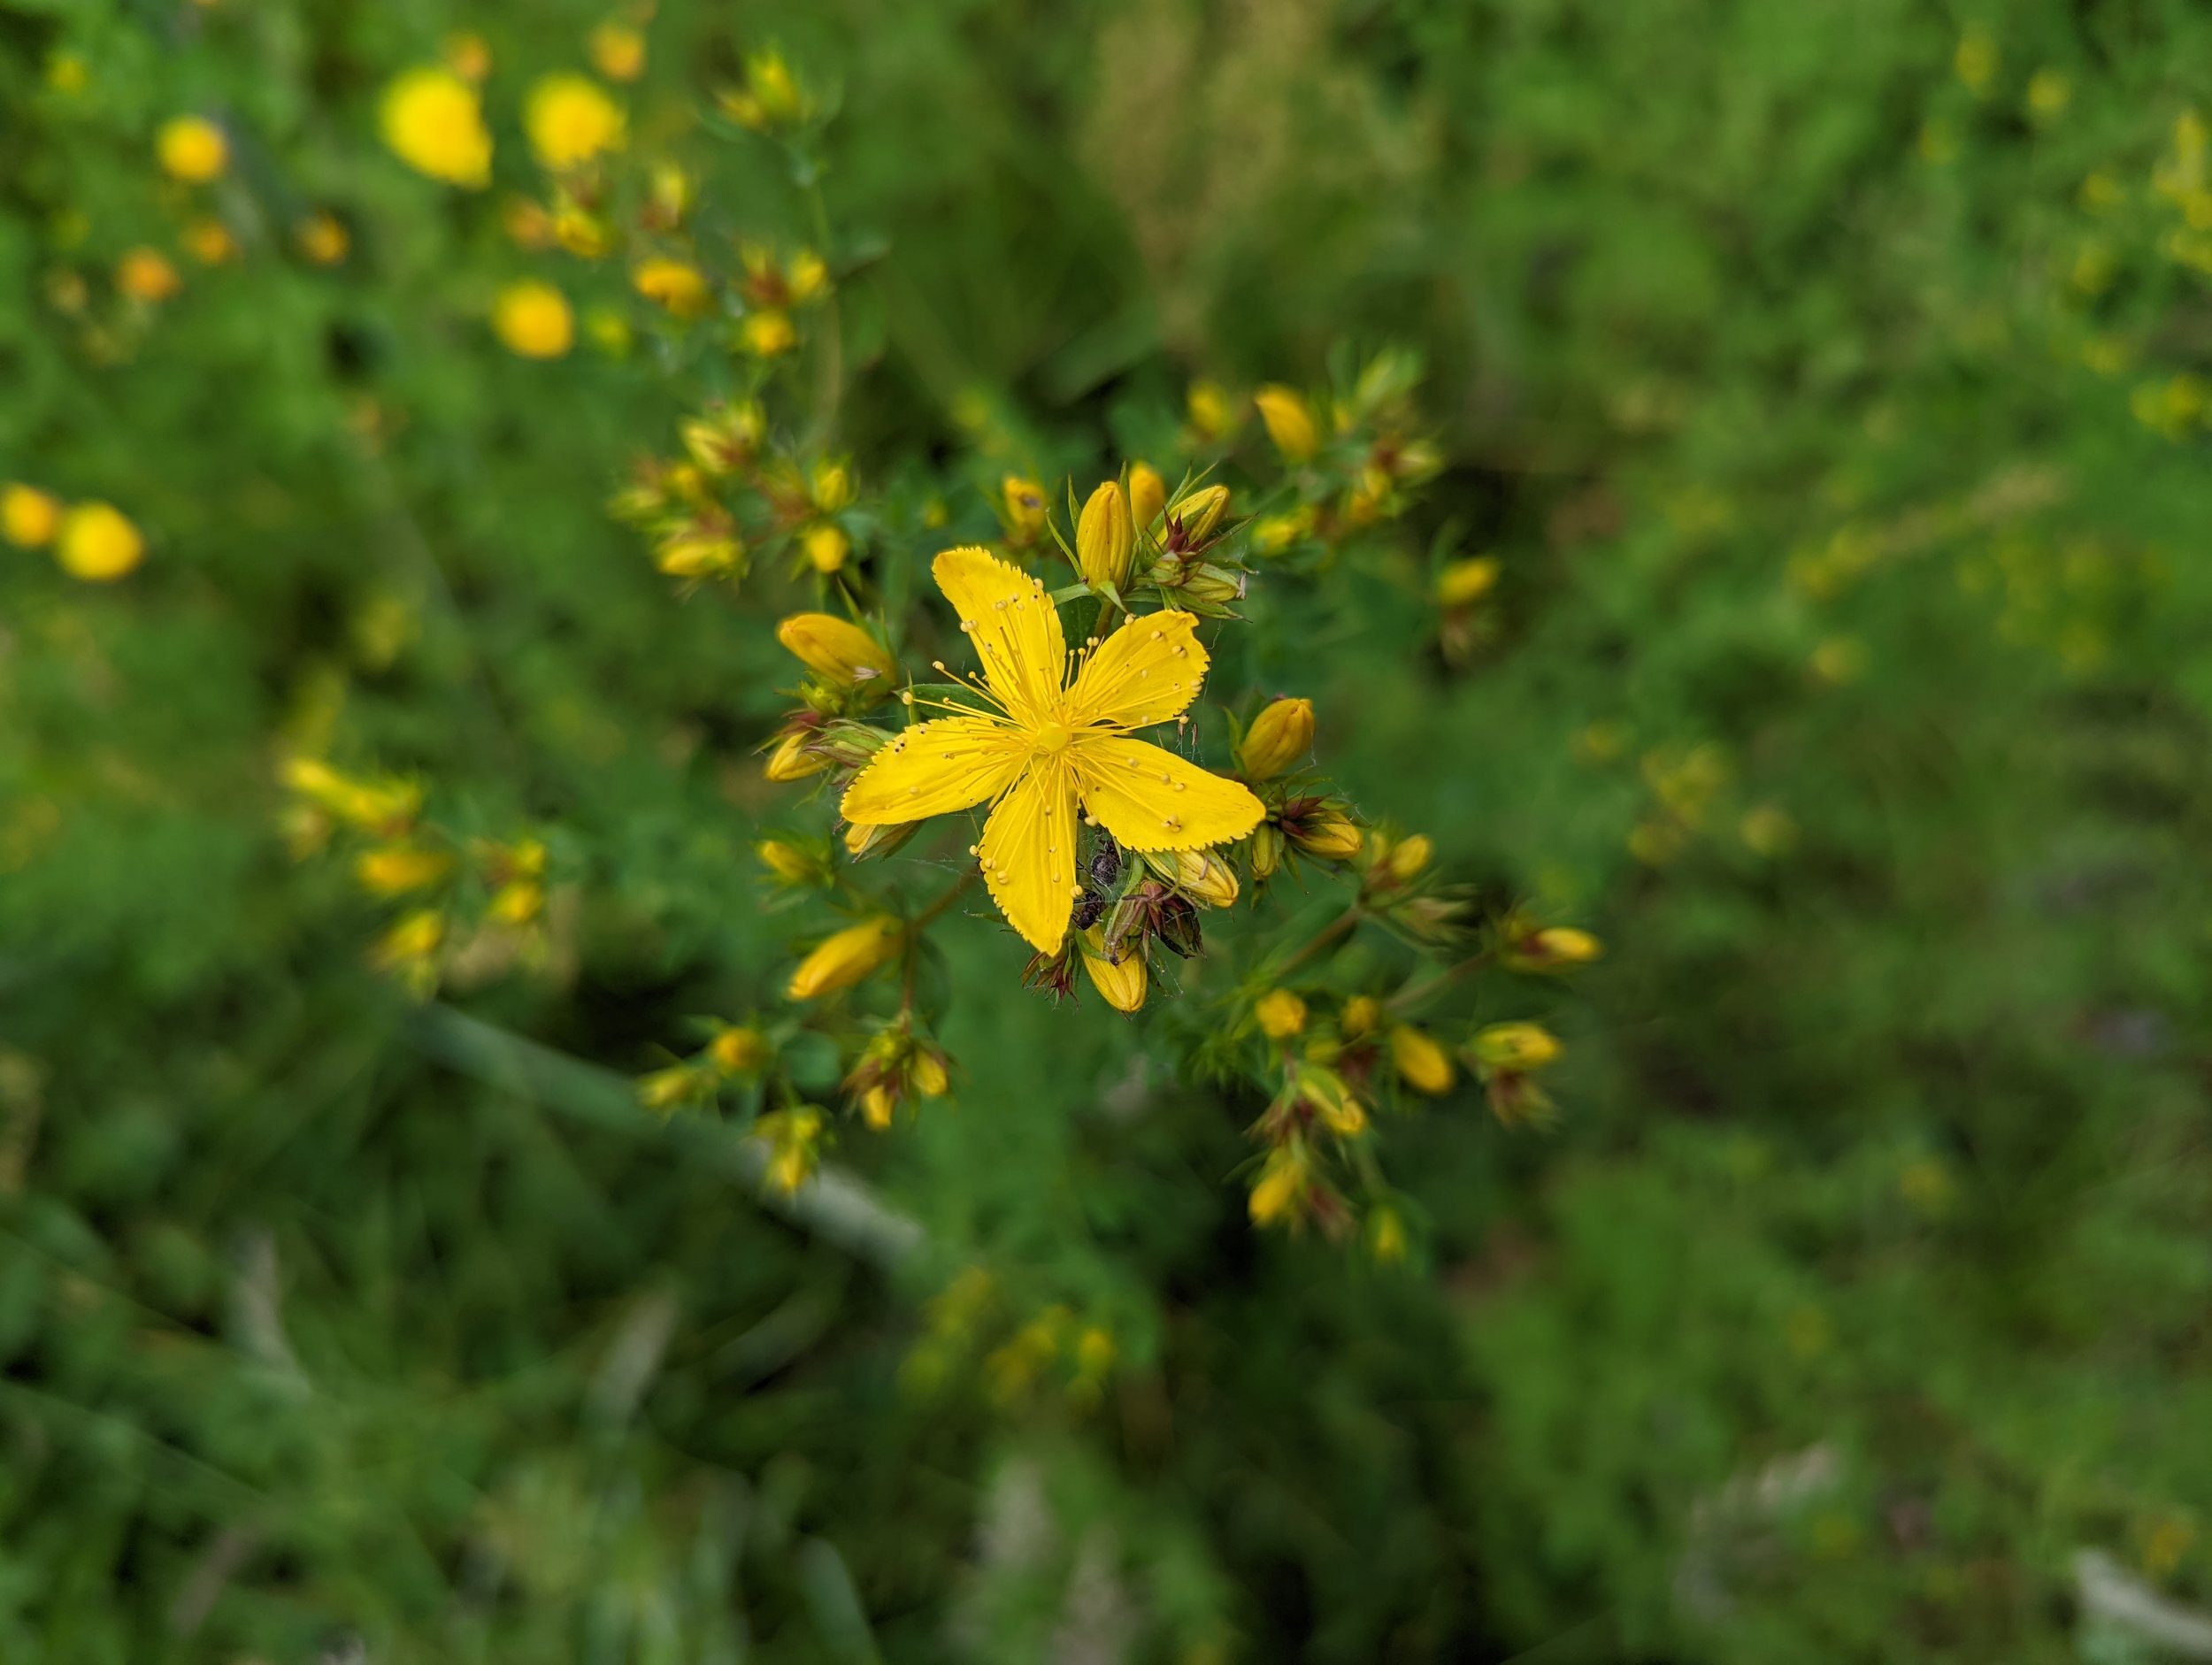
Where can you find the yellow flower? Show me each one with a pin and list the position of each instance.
(793, 1138)
(807, 276)
(410, 946)
(1025, 505)
(827, 547)
(1147, 494)
(1281, 1014)
(396, 869)
(1122, 982)
(28, 516)
(617, 51)
(1105, 542)
(771, 97)
(1408, 856)
(1278, 737)
(145, 274)
(432, 121)
(794, 760)
(517, 904)
(1976, 60)
(1046, 749)
(209, 241)
(1282, 1182)
(1327, 833)
(1212, 414)
(837, 651)
(1289, 421)
(570, 121)
(787, 861)
(769, 333)
(97, 544)
(674, 285)
(322, 238)
(192, 149)
(1518, 1046)
(1463, 583)
(66, 74)
(1554, 947)
(1387, 1236)
(667, 1089)
(1361, 1014)
(1421, 1063)
(738, 1051)
(2049, 92)
(532, 318)
(846, 958)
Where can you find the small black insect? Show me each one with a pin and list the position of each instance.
(1105, 870)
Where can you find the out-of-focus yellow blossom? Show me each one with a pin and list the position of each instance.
(739, 1051)
(1025, 505)
(1387, 1236)
(830, 488)
(675, 285)
(771, 97)
(1360, 1017)
(1280, 1187)
(608, 330)
(322, 238)
(385, 808)
(793, 1138)
(67, 74)
(827, 547)
(1279, 737)
(515, 902)
(579, 231)
(145, 274)
(209, 241)
(769, 333)
(97, 543)
(1212, 412)
(702, 548)
(807, 277)
(2049, 92)
(393, 870)
(1975, 62)
(1767, 830)
(410, 947)
(1120, 983)
(192, 149)
(617, 51)
(787, 861)
(1550, 948)
(1463, 583)
(1105, 539)
(571, 120)
(432, 121)
(1289, 421)
(669, 1089)
(1281, 1014)
(28, 516)
(836, 650)
(1409, 855)
(1519, 1047)
(1271, 534)
(533, 319)
(844, 959)
(1421, 1063)
(1147, 494)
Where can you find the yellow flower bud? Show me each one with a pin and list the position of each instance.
(1289, 421)
(395, 869)
(28, 516)
(1361, 1014)
(533, 319)
(1559, 946)
(1327, 833)
(1281, 1014)
(1421, 1063)
(1025, 505)
(209, 241)
(1211, 412)
(96, 543)
(699, 549)
(787, 861)
(1267, 851)
(793, 760)
(468, 56)
(1147, 494)
(793, 1138)
(1203, 876)
(322, 238)
(1387, 1236)
(769, 333)
(1279, 737)
(1463, 583)
(827, 547)
(517, 904)
(931, 1079)
(1105, 542)
(1121, 983)
(665, 1089)
(876, 1105)
(674, 285)
(806, 276)
(412, 942)
(853, 952)
(145, 274)
(617, 51)
(570, 121)
(836, 650)
(192, 149)
(1409, 856)
(739, 1051)
(1282, 1182)
(1200, 512)
(431, 120)
(1518, 1046)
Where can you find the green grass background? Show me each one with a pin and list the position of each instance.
(1860, 1293)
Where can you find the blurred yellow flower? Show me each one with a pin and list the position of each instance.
(571, 120)
(769, 334)
(674, 285)
(1212, 414)
(532, 319)
(1281, 1014)
(431, 120)
(28, 516)
(323, 239)
(192, 149)
(1281, 1183)
(739, 1051)
(1975, 62)
(145, 274)
(209, 241)
(827, 547)
(617, 51)
(393, 870)
(1025, 501)
(2049, 92)
(65, 74)
(1463, 583)
(1289, 421)
(1147, 494)
(846, 958)
(1421, 1063)
(97, 543)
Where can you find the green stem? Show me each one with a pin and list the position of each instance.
(1415, 994)
(1329, 934)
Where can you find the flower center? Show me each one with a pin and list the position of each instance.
(1048, 738)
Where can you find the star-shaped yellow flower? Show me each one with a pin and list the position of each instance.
(1053, 744)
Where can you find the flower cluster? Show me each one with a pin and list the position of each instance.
(95, 541)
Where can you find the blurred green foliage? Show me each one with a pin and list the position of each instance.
(1825, 376)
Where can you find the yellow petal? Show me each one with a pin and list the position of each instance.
(1149, 799)
(1146, 672)
(1014, 626)
(933, 769)
(1028, 853)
